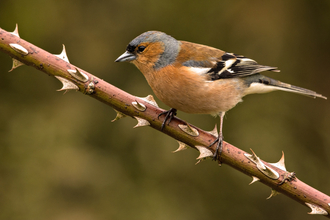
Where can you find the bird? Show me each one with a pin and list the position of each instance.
(200, 79)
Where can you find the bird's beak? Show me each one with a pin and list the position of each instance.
(127, 56)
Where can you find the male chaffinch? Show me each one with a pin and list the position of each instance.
(194, 78)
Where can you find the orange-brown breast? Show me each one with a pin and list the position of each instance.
(191, 93)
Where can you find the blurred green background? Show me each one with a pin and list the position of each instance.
(62, 158)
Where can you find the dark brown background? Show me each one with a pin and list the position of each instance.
(62, 158)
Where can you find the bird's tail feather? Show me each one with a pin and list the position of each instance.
(299, 90)
(264, 84)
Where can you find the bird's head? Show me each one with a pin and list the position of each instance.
(151, 49)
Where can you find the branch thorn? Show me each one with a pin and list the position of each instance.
(204, 152)
(189, 130)
(15, 32)
(16, 63)
(67, 84)
(63, 55)
(214, 132)
(19, 49)
(316, 210)
(150, 99)
(254, 179)
(78, 75)
(269, 172)
(139, 106)
(182, 146)
(141, 122)
(280, 164)
(273, 193)
(118, 116)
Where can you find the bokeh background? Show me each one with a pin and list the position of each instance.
(62, 158)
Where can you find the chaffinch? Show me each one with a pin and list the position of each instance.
(194, 78)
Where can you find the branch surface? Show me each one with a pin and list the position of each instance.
(146, 111)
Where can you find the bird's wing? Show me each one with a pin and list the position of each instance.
(232, 65)
(218, 64)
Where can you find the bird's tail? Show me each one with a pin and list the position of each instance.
(263, 84)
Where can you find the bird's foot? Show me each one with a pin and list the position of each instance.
(169, 115)
(218, 150)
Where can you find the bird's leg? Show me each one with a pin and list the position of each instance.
(169, 115)
(218, 150)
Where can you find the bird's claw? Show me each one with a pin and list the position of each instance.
(169, 115)
(218, 150)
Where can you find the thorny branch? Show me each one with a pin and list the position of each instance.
(146, 111)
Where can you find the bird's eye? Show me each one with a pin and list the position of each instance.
(141, 49)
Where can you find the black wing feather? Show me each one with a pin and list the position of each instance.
(232, 65)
